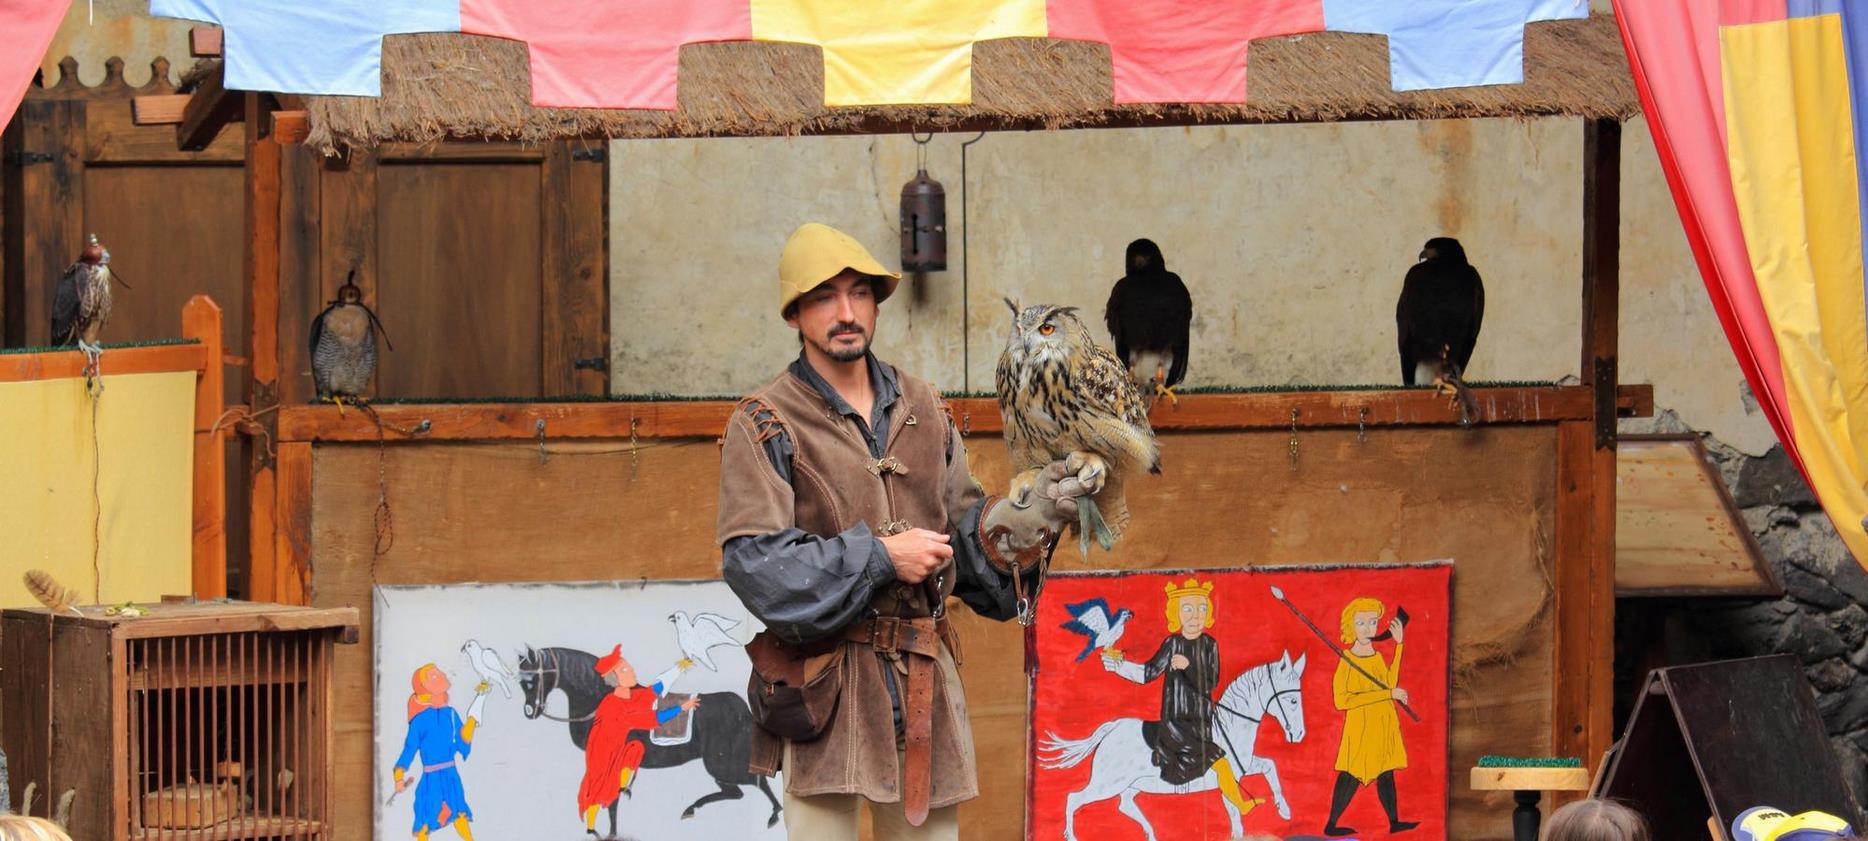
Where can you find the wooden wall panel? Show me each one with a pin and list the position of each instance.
(457, 285)
(492, 512)
(175, 233)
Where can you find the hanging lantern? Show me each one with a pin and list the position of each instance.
(924, 219)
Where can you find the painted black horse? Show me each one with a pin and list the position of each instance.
(722, 725)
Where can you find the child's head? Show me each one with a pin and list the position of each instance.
(1595, 820)
(21, 828)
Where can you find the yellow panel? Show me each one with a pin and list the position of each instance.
(140, 465)
(1794, 178)
(1674, 531)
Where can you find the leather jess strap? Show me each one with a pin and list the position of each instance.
(920, 638)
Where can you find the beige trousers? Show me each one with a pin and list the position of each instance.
(834, 817)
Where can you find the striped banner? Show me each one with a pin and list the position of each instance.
(1751, 103)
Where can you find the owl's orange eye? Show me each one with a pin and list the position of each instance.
(1047, 329)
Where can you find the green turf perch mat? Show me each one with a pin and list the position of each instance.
(1489, 761)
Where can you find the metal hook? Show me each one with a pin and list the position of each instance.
(1294, 413)
(966, 424)
(1362, 424)
(542, 455)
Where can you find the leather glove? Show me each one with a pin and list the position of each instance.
(1017, 531)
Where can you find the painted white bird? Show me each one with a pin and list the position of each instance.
(486, 663)
(706, 631)
(1095, 620)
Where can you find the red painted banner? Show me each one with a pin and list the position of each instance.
(1218, 703)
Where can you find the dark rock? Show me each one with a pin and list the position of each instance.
(1851, 624)
(1811, 640)
(1850, 580)
(1750, 629)
(1809, 589)
(1859, 659)
(1831, 675)
(1843, 711)
(1854, 764)
(1771, 480)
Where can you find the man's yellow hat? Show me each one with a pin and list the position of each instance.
(816, 253)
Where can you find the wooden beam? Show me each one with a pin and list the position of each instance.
(62, 364)
(204, 41)
(44, 211)
(976, 416)
(292, 581)
(201, 321)
(574, 294)
(1583, 680)
(261, 264)
(210, 109)
(290, 127)
(162, 109)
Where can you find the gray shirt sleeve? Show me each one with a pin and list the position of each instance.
(805, 587)
(800, 585)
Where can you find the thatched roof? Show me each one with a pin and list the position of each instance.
(437, 86)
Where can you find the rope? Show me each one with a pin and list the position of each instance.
(384, 518)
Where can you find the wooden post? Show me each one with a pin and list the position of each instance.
(44, 194)
(574, 297)
(262, 341)
(292, 583)
(201, 321)
(1585, 551)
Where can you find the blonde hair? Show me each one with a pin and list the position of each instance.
(1173, 611)
(23, 828)
(1595, 820)
(1349, 616)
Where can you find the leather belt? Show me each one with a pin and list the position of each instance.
(920, 637)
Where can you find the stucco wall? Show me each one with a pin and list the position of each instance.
(1292, 239)
(96, 30)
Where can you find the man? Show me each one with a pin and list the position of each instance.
(847, 517)
(611, 757)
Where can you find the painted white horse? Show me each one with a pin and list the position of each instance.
(1123, 765)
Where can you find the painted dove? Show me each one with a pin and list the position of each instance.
(701, 633)
(487, 664)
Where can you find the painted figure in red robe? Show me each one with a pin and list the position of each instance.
(611, 757)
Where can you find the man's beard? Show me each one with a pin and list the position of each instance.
(845, 354)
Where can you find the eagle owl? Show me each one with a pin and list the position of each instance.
(343, 346)
(1065, 397)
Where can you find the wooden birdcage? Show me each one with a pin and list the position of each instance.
(204, 720)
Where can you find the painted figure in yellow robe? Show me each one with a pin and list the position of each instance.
(1371, 749)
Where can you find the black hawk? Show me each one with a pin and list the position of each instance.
(343, 346)
(1149, 316)
(81, 300)
(1437, 320)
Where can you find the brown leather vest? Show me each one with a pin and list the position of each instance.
(837, 483)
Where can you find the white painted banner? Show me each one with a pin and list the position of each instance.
(526, 773)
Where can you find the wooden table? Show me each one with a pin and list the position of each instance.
(1528, 785)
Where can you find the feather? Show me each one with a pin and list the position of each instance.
(55, 596)
(26, 797)
(63, 816)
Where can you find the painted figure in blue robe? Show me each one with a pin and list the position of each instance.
(440, 737)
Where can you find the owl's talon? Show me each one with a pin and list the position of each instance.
(1089, 468)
